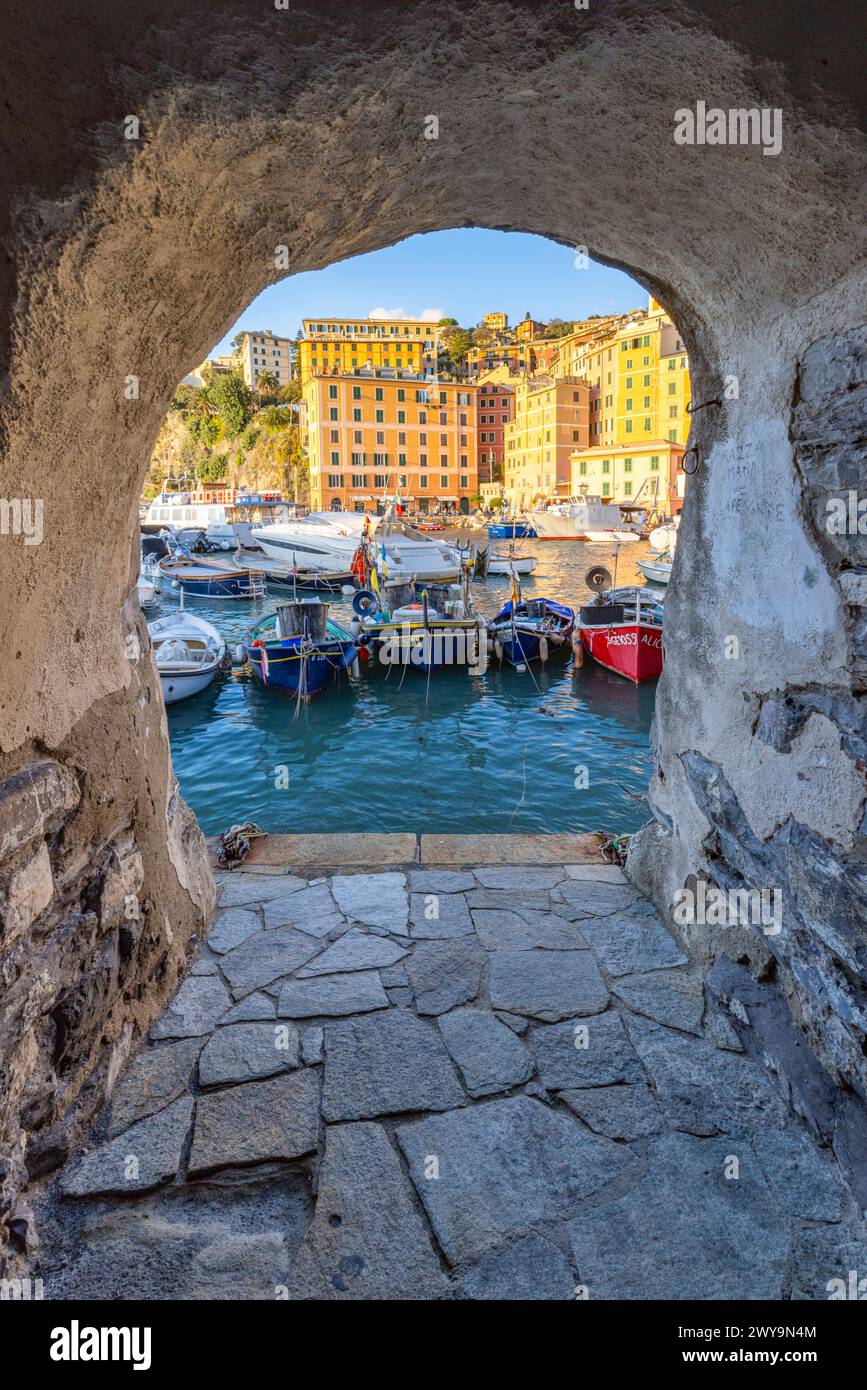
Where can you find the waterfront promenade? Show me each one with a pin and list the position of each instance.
(412, 1068)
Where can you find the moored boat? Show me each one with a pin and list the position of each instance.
(299, 649)
(434, 629)
(530, 630)
(147, 591)
(212, 578)
(511, 530)
(581, 519)
(188, 654)
(656, 570)
(622, 631)
(505, 564)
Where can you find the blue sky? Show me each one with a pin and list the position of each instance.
(463, 273)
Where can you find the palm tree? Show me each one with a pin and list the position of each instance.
(267, 383)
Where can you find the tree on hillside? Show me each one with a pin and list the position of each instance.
(447, 323)
(291, 392)
(556, 328)
(267, 383)
(212, 468)
(457, 341)
(232, 399)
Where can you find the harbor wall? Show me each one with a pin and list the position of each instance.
(225, 145)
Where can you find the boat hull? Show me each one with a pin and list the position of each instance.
(511, 530)
(285, 666)
(504, 564)
(656, 571)
(198, 580)
(633, 650)
(183, 684)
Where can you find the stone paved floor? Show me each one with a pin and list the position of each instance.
(424, 1084)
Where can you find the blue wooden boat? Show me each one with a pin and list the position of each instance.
(511, 530)
(299, 649)
(531, 630)
(212, 578)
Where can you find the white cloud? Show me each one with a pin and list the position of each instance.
(428, 315)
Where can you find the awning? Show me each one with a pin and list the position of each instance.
(445, 498)
(361, 497)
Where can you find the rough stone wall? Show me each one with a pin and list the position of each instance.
(304, 129)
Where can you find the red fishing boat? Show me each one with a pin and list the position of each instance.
(622, 631)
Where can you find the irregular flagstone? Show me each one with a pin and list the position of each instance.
(394, 977)
(246, 1051)
(332, 996)
(194, 1010)
(720, 1031)
(385, 1064)
(597, 873)
(804, 1179)
(630, 945)
(685, 1230)
(618, 1112)
(313, 911)
(366, 1240)
(440, 881)
(444, 974)
(489, 1055)
(514, 1021)
(357, 950)
(549, 985)
(703, 1090)
(311, 1045)
(377, 900)
(254, 1009)
(258, 888)
(204, 965)
(151, 1080)
(677, 1001)
(502, 1166)
(585, 1052)
(522, 930)
(521, 879)
(499, 900)
(434, 916)
(400, 998)
(598, 899)
(258, 1122)
(265, 957)
(231, 928)
(146, 1154)
(529, 1268)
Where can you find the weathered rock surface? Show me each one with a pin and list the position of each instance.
(488, 1054)
(385, 1064)
(247, 1051)
(332, 996)
(502, 1166)
(619, 1112)
(436, 916)
(677, 1001)
(231, 927)
(685, 1230)
(266, 957)
(377, 900)
(195, 1008)
(522, 930)
(440, 881)
(152, 1080)
(312, 910)
(356, 950)
(444, 974)
(630, 945)
(585, 1052)
(146, 1154)
(312, 1046)
(256, 1123)
(367, 1241)
(245, 888)
(522, 880)
(528, 1268)
(548, 985)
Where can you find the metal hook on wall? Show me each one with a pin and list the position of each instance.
(691, 409)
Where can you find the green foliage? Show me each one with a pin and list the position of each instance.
(206, 430)
(457, 342)
(556, 328)
(232, 400)
(249, 439)
(447, 323)
(212, 468)
(291, 392)
(275, 418)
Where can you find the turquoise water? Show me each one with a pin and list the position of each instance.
(559, 750)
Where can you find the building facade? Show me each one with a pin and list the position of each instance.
(551, 420)
(496, 409)
(370, 434)
(264, 351)
(337, 345)
(646, 473)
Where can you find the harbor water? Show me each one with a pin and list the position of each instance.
(553, 748)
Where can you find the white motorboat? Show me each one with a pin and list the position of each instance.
(506, 564)
(147, 592)
(178, 511)
(188, 653)
(330, 541)
(618, 535)
(665, 537)
(656, 570)
(580, 519)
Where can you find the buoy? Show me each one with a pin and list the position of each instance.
(240, 655)
(347, 590)
(498, 649)
(543, 648)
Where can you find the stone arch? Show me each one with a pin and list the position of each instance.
(274, 141)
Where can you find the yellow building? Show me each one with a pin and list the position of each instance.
(637, 370)
(645, 472)
(347, 345)
(498, 322)
(370, 434)
(552, 418)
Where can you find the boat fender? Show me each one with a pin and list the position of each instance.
(365, 602)
(498, 649)
(240, 655)
(347, 590)
(355, 627)
(354, 668)
(577, 650)
(543, 648)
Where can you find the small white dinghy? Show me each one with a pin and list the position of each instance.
(656, 570)
(147, 592)
(505, 564)
(617, 534)
(188, 653)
